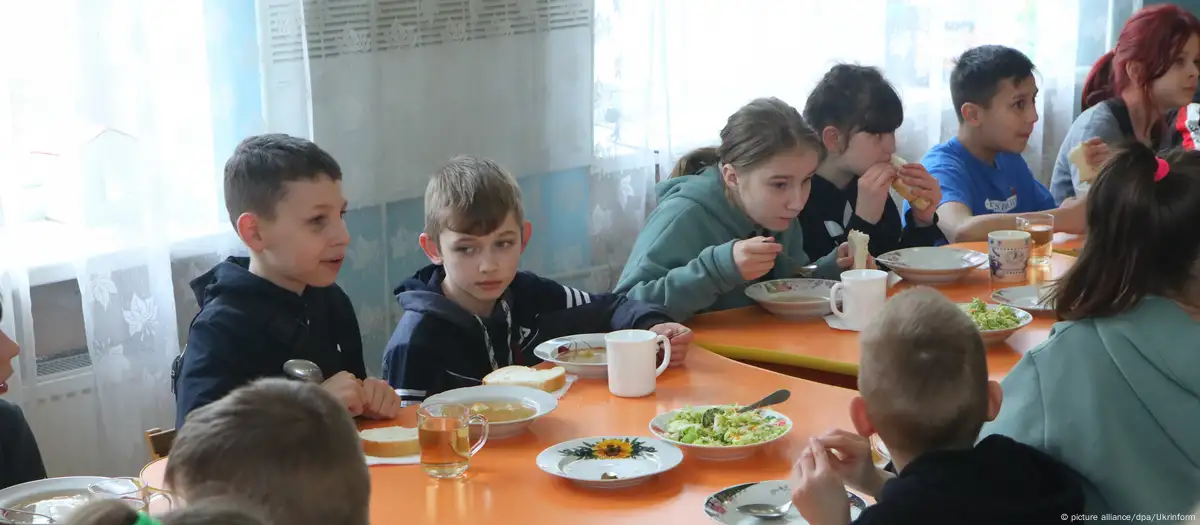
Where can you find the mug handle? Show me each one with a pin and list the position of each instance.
(151, 494)
(483, 435)
(666, 344)
(833, 291)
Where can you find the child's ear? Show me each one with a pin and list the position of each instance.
(971, 113)
(526, 234)
(431, 248)
(995, 395)
(729, 175)
(831, 138)
(249, 228)
(1134, 71)
(859, 418)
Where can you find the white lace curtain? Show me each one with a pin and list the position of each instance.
(115, 117)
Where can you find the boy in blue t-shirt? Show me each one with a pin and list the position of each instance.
(985, 183)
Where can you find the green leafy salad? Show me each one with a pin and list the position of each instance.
(999, 318)
(723, 427)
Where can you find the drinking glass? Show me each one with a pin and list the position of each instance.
(1041, 231)
(443, 430)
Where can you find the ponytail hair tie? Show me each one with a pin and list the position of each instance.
(1163, 169)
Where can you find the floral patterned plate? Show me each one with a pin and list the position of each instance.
(609, 462)
(722, 507)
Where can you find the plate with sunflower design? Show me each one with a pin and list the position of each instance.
(610, 462)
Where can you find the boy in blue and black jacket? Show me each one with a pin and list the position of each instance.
(472, 311)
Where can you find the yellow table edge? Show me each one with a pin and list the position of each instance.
(780, 358)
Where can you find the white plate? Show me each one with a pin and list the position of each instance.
(658, 426)
(634, 460)
(793, 298)
(549, 349)
(933, 265)
(542, 402)
(1028, 298)
(994, 337)
(722, 506)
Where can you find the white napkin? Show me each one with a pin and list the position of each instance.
(566, 386)
(836, 323)
(402, 460)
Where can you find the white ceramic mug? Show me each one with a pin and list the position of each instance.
(631, 354)
(864, 292)
(1008, 255)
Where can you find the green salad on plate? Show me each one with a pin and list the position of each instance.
(723, 427)
(998, 318)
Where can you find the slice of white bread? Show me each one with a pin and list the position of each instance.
(858, 248)
(905, 192)
(390, 442)
(547, 380)
(1087, 172)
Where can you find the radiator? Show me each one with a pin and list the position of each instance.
(62, 414)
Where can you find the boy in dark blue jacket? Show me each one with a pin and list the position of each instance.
(284, 198)
(471, 311)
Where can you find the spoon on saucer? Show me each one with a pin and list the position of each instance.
(762, 510)
(303, 370)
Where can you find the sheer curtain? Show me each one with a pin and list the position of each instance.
(107, 138)
(669, 72)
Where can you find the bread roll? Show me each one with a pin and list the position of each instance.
(859, 242)
(1087, 172)
(548, 380)
(390, 442)
(905, 192)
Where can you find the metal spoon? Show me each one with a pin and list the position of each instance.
(762, 510)
(303, 370)
(774, 398)
(803, 270)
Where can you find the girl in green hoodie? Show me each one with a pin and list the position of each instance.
(727, 216)
(1114, 392)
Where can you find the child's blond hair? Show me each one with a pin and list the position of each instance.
(471, 195)
(287, 446)
(924, 373)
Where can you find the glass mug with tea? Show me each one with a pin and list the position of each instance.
(1041, 232)
(444, 432)
(132, 492)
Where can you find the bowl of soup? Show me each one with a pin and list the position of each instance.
(584, 355)
(509, 409)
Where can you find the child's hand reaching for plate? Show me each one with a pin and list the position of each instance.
(680, 337)
(817, 491)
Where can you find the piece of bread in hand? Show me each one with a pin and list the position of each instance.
(1087, 172)
(859, 242)
(390, 442)
(547, 380)
(920, 203)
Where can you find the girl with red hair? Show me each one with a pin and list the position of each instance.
(1132, 91)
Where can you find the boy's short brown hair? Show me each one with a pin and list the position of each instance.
(287, 446)
(471, 195)
(260, 167)
(924, 373)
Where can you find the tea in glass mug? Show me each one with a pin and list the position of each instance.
(1041, 232)
(443, 430)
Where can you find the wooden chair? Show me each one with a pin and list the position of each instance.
(159, 442)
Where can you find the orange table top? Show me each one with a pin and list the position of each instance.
(755, 335)
(503, 484)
